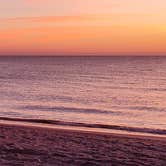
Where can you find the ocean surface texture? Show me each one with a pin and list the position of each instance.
(121, 93)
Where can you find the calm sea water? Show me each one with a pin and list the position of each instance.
(129, 92)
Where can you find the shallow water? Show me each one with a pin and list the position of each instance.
(121, 91)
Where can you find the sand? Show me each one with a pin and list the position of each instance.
(34, 146)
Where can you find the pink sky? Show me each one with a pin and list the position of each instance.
(77, 27)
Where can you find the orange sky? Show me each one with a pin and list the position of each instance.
(97, 28)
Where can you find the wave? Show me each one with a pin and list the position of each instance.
(146, 108)
(140, 108)
(69, 110)
(99, 126)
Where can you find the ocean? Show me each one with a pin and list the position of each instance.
(105, 93)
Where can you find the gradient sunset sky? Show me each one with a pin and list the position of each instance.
(83, 27)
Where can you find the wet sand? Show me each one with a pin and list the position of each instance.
(34, 146)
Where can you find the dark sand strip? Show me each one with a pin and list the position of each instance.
(34, 146)
(97, 126)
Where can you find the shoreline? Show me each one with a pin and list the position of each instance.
(107, 128)
(75, 130)
(29, 145)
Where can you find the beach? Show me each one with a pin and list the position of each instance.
(27, 145)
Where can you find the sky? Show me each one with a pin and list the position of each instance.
(82, 27)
